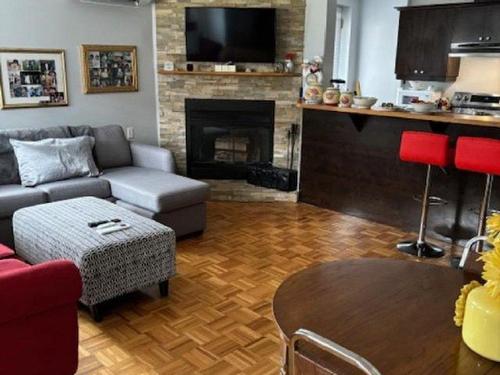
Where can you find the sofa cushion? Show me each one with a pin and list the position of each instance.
(8, 163)
(111, 147)
(54, 159)
(14, 197)
(76, 187)
(81, 130)
(155, 190)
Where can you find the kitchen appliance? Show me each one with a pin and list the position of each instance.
(476, 104)
(238, 35)
(484, 48)
(407, 96)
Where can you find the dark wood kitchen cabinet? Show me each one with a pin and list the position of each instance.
(480, 23)
(424, 40)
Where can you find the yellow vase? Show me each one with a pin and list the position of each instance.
(481, 326)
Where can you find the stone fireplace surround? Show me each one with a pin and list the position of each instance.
(174, 90)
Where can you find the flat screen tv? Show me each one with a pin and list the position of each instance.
(239, 35)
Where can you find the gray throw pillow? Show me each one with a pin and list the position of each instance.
(54, 159)
(112, 149)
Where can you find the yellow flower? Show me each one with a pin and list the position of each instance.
(491, 270)
(460, 304)
(493, 225)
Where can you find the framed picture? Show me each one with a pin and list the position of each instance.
(32, 78)
(109, 68)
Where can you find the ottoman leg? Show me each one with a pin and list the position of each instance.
(95, 312)
(163, 288)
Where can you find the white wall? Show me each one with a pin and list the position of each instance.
(351, 28)
(320, 33)
(477, 74)
(67, 24)
(377, 46)
(315, 28)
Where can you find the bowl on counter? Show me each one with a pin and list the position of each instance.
(423, 107)
(364, 101)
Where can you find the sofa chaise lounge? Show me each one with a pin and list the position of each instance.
(138, 177)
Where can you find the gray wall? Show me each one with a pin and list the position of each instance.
(66, 24)
(378, 35)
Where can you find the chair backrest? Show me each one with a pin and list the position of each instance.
(470, 261)
(331, 347)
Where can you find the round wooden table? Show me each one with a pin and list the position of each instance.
(396, 314)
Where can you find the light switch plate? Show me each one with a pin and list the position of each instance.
(130, 133)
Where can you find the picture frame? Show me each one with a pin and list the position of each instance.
(109, 68)
(31, 78)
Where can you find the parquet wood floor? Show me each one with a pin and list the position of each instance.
(218, 317)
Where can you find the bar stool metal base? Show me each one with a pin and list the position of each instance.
(420, 249)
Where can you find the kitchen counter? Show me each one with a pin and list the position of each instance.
(350, 163)
(443, 117)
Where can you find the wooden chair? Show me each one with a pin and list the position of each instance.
(470, 261)
(328, 346)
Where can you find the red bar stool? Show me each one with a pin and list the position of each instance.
(432, 150)
(480, 155)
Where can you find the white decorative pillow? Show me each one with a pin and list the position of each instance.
(54, 159)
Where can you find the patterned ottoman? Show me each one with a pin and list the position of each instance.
(111, 265)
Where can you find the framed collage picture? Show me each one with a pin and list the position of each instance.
(109, 68)
(32, 78)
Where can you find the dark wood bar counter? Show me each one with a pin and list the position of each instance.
(350, 163)
(443, 117)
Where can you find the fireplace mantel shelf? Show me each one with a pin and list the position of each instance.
(228, 74)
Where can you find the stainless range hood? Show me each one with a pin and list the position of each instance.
(479, 49)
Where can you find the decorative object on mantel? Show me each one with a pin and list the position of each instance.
(109, 68)
(169, 66)
(32, 78)
(289, 64)
(313, 94)
(279, 67)
(477, 309)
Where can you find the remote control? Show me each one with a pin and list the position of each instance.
(99, 223)
(106, 225)
(116, 228)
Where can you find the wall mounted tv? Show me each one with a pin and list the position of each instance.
(239, 35)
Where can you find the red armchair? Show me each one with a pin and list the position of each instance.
(5, 252)
(38, 317)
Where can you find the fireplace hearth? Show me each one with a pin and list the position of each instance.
(225, 137)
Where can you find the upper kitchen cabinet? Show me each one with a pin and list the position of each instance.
(424, 39)
(476, 24)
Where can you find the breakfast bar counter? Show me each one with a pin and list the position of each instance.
(445, 117)
(350, 163)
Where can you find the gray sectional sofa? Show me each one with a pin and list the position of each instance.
(138, 177)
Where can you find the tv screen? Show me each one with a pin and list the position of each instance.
(230, 35)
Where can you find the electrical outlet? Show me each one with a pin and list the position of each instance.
(130, 133)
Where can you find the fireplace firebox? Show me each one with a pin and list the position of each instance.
(225, 137)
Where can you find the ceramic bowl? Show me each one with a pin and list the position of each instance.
(364, 101)
(423, 107)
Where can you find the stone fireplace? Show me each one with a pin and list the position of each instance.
(230, 147)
